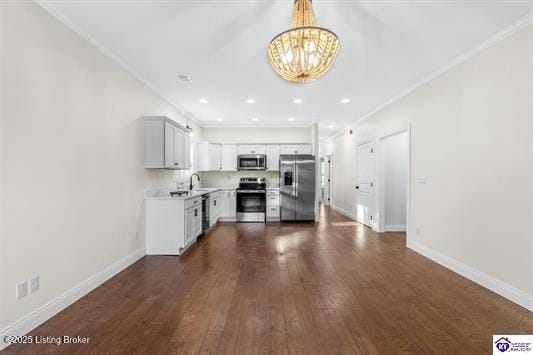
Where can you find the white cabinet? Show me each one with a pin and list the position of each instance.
(214, 208)
(202, 156)
(229, 157)
(214, 157)
(252, 149)
(193, 224)
(172, 225)
(228, 205)
(272, 205)
(272, 155)
(166, 144)
(299, 149)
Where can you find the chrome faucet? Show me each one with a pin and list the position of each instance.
(190, 181)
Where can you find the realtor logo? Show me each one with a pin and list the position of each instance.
(502, 344)
(510, 344)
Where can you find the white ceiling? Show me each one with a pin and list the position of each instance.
(386, 47)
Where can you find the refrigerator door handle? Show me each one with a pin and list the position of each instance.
(296, 179)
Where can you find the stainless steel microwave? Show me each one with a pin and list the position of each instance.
(251, 162)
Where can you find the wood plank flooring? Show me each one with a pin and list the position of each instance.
(329, 288)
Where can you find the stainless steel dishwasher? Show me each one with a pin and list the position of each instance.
(205, 212)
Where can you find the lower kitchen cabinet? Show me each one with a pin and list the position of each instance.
(193, 223)
(214, 208)
(228, 205)
(272, 205)
(172, 225)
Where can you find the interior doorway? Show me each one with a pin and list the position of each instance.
(394, 182)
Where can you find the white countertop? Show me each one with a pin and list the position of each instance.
(164, 193)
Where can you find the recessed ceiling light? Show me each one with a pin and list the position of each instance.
(250, 101)
(255, 119)
(331, 126)
(291, 118)
(219, 119)
(298, 101)
(345, 101)
(203, 101)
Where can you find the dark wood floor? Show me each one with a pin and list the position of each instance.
(334, 287)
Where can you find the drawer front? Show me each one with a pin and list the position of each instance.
(197, 201)
(272, 192)
(272, 201)
(273, 212)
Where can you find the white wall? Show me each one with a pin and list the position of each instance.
(72, 154)
(472, 143)
(396, 160)
(257, 135)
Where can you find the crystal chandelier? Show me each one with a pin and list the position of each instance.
(305, 52)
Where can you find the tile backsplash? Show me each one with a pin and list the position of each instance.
(231, 179)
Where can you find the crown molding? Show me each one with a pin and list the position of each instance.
(498, 37)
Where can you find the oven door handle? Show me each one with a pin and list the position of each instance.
(252, 192)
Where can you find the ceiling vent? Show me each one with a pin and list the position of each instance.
(184, 78)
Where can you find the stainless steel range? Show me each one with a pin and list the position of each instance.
(251, 200)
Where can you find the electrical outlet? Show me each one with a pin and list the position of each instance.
(34, 284)
(22, 290)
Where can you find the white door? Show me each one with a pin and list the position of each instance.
(327, 180)
(202, 156)
(179, 149)
(364, 183)
(189, 225)
(225, 203)
(272, 157)
(214, 157)
(169, 146)
(229, 157)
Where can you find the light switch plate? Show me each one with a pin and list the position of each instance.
(22, 290)
(34, 284)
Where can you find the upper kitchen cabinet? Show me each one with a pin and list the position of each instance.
(229, 157)
(298, 149)
(272, 153)
(214, 158)
(166, 144)
(245, 149)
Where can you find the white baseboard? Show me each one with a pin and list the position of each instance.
(42, 314)
(395, 228)
(501, 288)
(342, 211)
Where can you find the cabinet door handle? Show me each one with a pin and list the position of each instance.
(195, 213)
(175, 163)
(215, 202)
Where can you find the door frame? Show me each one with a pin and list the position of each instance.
(372, 197)
(380, 188)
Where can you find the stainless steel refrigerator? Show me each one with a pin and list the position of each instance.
(297, 187)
